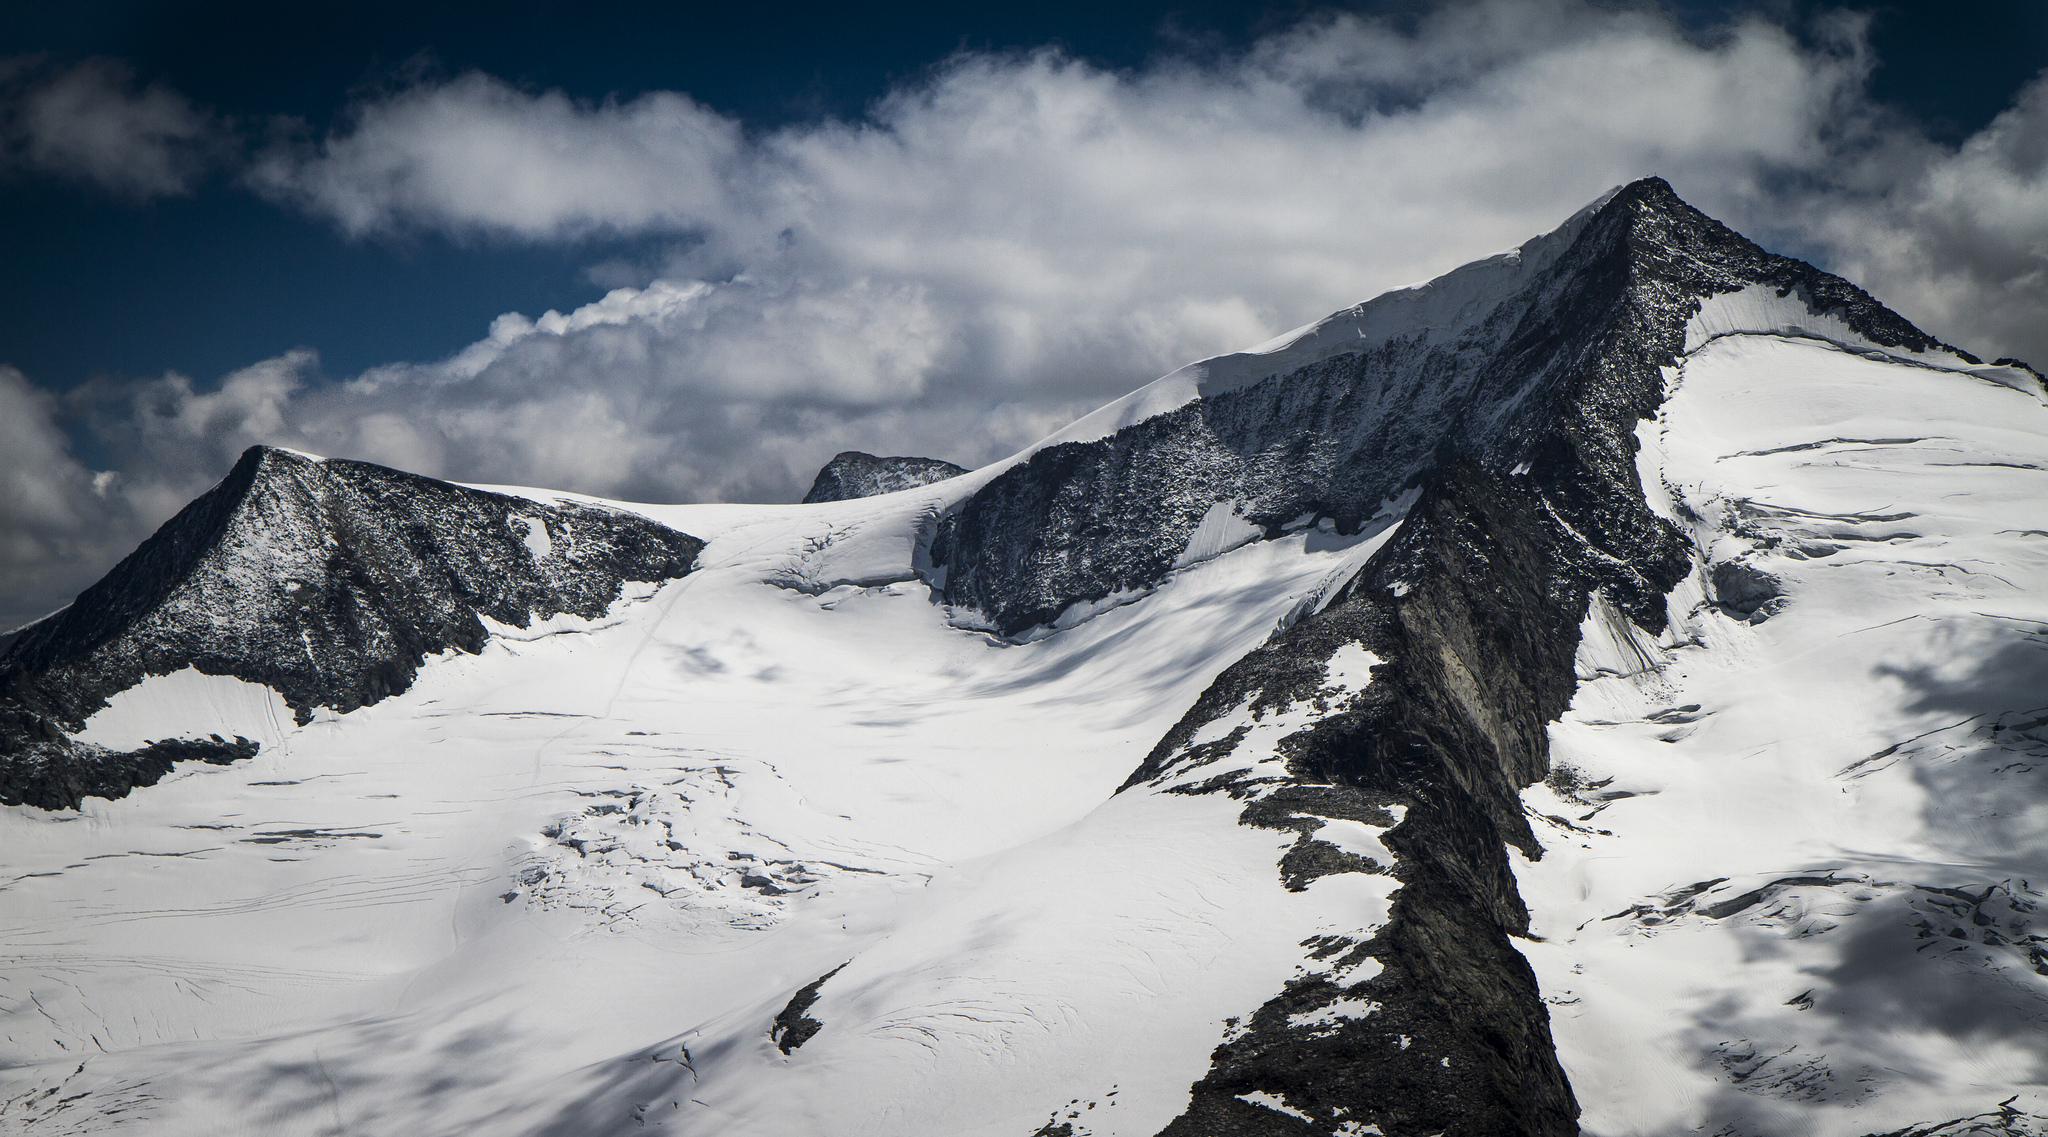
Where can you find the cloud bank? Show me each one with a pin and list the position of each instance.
(1017, 238)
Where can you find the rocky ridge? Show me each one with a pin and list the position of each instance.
(1530, 506)
(1560, 346)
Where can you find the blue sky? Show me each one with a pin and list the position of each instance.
(918, 229)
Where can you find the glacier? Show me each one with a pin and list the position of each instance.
(1597, 691)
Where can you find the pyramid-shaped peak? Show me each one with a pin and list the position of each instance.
(329, 581)
(1559, 344)
(1652, 191)
(1639, 241)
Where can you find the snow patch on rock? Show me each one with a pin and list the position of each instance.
(189, 704)
(536, 539)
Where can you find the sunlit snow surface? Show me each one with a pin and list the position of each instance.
(1795, 867)
(565, 886)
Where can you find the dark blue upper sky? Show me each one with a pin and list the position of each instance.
(211, 281)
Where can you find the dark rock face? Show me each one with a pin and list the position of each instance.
(851, 474)
(793, 1024)
(1529, 505)
(1473, 609)
(42, 766)
(1577, 344)
(327, 581)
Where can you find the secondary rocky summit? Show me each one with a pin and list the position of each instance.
(329, 582)
(851, 474)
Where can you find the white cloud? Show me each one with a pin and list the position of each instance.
(1019, 238)
(477, 153)
(1956, 239)
(91, 123)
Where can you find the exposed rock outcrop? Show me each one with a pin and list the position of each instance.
(793, 1024)
(851, 474)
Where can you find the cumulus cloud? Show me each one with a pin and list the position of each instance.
(92, 123)
(477, 153)
(1016, 238)
(1956, 239)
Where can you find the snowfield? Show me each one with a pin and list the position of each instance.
(1794, 864)
(789, 847)
(514, 897)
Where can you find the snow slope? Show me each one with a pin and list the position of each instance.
(789, 846)
(1793, 859)
(487, 902)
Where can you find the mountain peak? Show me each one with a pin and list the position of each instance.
(373, 567)
(1559, 343)
(1428, 639)
(329, 581)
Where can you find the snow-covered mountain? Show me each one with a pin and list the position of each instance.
(326, 582)
(1599, 688)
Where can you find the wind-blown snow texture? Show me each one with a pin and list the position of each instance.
(852, 474)
(1597, 687)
